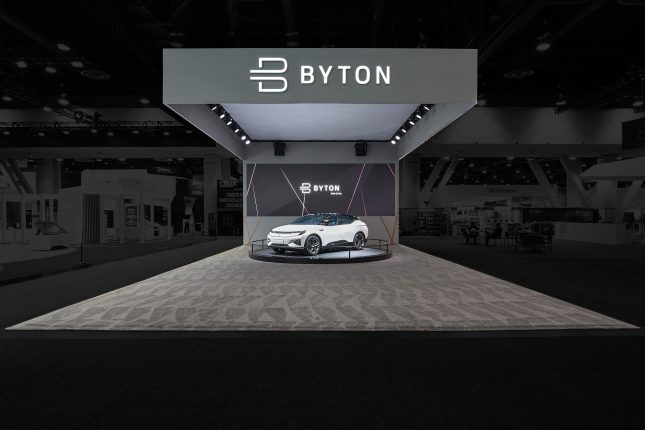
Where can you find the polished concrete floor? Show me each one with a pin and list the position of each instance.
(411, 291)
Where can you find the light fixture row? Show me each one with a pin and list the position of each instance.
(230, 122)
(409, 123)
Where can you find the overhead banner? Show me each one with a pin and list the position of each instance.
(336, 75)
(300, 189)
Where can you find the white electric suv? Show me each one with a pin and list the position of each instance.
(311, 233)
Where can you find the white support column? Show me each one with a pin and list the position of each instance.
(446, 177)
(629, 198)
(544, 182)
(426, 192)
(573, 176)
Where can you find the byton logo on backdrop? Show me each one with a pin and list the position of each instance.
(334, 190)
(309, 75)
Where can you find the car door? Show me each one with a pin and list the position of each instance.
(346, 228)
(329, 232)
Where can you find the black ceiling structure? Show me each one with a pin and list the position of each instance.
(107, 53)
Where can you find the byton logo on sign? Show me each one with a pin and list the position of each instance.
(307, 188)
(262, 74)
(309, 75)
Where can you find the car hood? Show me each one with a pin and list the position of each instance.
(291, 228)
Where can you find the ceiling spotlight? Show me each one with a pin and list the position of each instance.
(166, 133)
(63, 100)
(521, 73)
(248, 141)
(393, 141)
(135, 131)
(236, 130)
(189, 132)
(418, 116)
(63, 47)
(214, 107)
(411, 122)
(426, 107)
(517, 171)
(175, 44)
(471, 165)
(144, 101)
(21, 64)
(50, 69)
(397, 137)
(77, 64)
(230, 121)
(47, 109)
(510, 158)
(543, 46)
(65, 132)
(121, 159)
(110, 133)
(222, 115)
(7, 98)
(6, 132)
(508, 164)
(404, 130)
(243, 137)
(41, 134)
(484, 172)
(93, 131)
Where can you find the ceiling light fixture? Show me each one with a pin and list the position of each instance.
(21, 64)
(397, 137)
(393, 142)
(543, 46)
(63, 47)
(77, 64)
(144, 101)
(7, 98)
(230, 121)
(411, 122)
(50, 69)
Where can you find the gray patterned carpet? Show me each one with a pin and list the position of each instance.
(411, 291)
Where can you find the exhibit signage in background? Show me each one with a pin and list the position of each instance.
(297, 189)
(634, 134)
(337, 75)
(229, 195)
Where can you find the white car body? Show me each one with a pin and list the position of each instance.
(330, 229)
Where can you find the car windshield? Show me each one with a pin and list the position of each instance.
(309, 219)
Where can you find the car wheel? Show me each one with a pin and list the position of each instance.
(359, 240)
(280, 251)
(312, 245)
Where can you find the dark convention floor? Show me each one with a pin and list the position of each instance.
(533, 379)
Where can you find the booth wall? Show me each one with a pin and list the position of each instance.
(256, 228)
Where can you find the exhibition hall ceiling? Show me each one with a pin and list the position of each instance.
(307, 121)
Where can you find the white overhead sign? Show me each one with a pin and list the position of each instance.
(281, 75)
